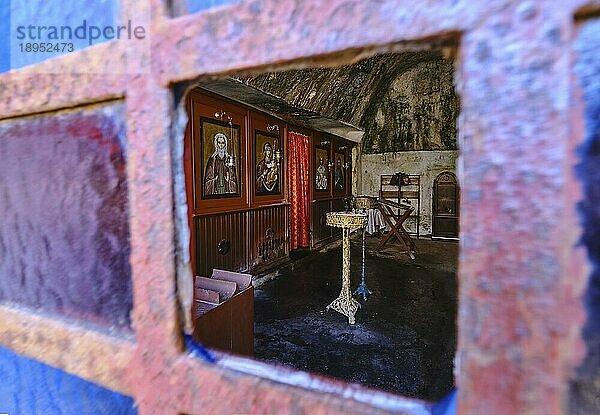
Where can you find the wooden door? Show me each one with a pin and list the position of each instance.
(445, 206)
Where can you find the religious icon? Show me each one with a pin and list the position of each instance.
(267, 168)
(322, 170)
(405, 180)
(338, 173)
(220, 142)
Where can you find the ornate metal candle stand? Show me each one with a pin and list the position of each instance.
(344, 303)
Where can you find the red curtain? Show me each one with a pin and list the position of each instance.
(299, 192)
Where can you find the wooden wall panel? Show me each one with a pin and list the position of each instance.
(340, 152)
(321, 151)
(320, 232)
(210, 231)
(270, 234)
(258, 232)
(332, 199)
(336, 206)
(229, 326)
(267, 127)
(242, 322)
(204, 108)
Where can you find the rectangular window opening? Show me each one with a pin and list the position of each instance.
(279, 169)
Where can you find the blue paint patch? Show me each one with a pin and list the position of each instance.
(194, 6)
(197, 350)
(4, 36)
(585, 389)
(447, 406)
(588, 171)
(29, 387)
(33, 23)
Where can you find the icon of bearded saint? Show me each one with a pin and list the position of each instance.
(321, 178)
(218, 177)
(267, 174)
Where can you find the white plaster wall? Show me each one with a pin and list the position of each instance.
(428, 164)
(356, 170)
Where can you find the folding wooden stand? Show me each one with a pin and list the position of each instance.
(395, 223)
(404, 189)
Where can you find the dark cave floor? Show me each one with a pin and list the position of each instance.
(404, 339)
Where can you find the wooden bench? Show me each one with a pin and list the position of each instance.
(224, 312)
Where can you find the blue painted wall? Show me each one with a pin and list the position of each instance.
(4, 36)
(58, 13)
(28, 387)
(585, 388)
(15, 14)
(197, 5)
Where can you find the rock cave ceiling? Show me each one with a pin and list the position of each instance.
(391, 102)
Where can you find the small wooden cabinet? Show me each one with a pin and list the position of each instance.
(224, 312)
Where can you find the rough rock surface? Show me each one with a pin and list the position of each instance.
(403, 101)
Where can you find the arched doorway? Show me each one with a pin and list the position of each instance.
(445, 206)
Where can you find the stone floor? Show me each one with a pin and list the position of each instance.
(404, 339)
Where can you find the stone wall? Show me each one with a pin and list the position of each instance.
(428, 164)
(417, 111)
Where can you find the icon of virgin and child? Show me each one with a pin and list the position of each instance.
(267, 171)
